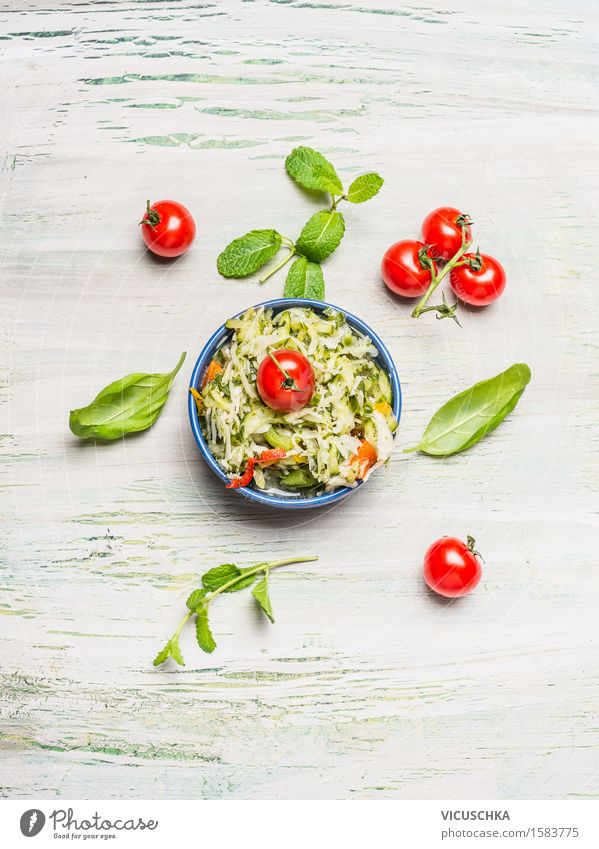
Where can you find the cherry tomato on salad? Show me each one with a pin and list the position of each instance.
(442, 230)
(451, 567)
(285, 380)
(480, 282)
(406, 268)
(168, 228)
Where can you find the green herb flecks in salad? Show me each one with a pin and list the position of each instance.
(338, 438)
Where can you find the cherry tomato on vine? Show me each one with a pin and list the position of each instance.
(480, 282)
(451, 567)
(168, 228)
(406, 268)
(285, 380)
(442, 229)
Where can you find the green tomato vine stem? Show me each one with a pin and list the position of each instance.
(436, 278)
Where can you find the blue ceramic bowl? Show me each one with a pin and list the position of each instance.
(291, 502)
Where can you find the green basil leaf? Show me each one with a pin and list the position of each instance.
(321, 235)
(466, 418)
(249, 253)
(128, 405)
(305, 280)
(163, 654)
(311, 170)
(203, 632)
(195, 599)
(364, 187)
(260, 593)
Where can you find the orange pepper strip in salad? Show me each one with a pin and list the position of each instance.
(265, 459)
(365, 457)
(213, 369)
(383, 408)
(198, 399)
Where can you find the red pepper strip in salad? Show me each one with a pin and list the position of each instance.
(265, 459)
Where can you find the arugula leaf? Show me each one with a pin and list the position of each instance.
(260, 593)
(469, 416)
(221, 575)
(305, 280)
(195, 599)
(203, 632)
(321, 235)
(128, 405)
(311, 170)
(364, 187)
(247, 254)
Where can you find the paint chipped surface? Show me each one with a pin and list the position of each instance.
(352, 694)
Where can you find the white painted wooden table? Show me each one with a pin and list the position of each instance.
(366, 687)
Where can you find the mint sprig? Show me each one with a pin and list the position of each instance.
(226, 578)
(319, 238)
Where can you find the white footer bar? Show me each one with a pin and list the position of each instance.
(295, 825)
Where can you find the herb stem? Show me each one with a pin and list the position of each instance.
(179, 364)
(181, 624)
(437, 278)
(279, 265)
(261, 567)
(335, 201)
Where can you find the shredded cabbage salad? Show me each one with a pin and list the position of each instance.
(336, 440)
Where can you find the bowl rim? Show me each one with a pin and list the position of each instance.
(218, 338)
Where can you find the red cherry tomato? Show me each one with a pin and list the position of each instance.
(480, 282)
(406, 268)
(168, 228)
(451, 567)
(442, 229)
(285, 380)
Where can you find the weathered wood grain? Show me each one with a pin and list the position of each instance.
(366, 686)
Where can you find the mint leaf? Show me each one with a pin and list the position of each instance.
(215, 578)
(321, 235)
(171, 649)
(260, 593)
(221, 575)
(176, 651)
(195, 599)
(203, 632)
(249, 253)
(163, 654)
(305, 280)
(311, 170)
(364, 187)
(243, 582)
